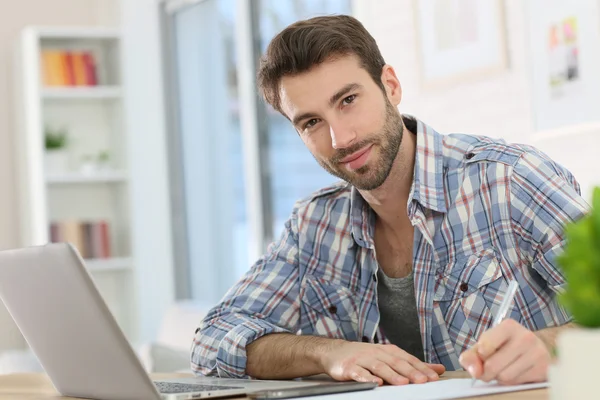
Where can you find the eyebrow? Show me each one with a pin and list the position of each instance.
(342, 92)
(332, 100)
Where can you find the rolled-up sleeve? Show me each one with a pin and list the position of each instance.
(264, 301)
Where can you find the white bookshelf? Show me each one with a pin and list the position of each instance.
(87, 178)
(80, 188)
(106, 92)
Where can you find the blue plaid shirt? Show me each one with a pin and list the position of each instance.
(484, 212)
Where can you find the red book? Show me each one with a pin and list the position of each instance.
(60, 232)
(90, 69)
(96, 240)
(79, 68)
(54, 232)
(88, 240)
(105, 239)
(70, 69)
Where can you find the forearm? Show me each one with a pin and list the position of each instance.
(548, 336)
(286, 356)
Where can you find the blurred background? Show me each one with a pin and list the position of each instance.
(133, 129)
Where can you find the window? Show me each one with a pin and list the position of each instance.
(237, 167)
(294, 172)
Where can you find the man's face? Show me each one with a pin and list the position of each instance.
(349, 125)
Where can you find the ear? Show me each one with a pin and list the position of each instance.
(391, 85)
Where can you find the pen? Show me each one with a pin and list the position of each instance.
(503, 310)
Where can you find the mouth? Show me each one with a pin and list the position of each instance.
(357, 159)
(356, 155)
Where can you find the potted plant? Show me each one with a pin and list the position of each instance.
(578, 350)
(56, 157)
(95, 163)
(104, 160)
(88, 165)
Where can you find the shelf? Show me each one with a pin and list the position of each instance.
(77, 33)
(82, 178)
(109, 264)
(84, 92)
(80, 188)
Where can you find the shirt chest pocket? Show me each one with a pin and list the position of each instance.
(468, 275)
(466, 294)
(328, 309)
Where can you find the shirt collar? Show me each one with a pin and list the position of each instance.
(428, 177)
(427, 187)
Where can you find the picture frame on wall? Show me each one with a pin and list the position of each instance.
(564, 47)
(460, 40)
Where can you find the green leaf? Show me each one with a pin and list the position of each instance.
(580, 262)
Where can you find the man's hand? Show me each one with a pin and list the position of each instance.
(508, 353)
(365, 362)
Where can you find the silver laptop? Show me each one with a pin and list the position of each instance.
(52, 298)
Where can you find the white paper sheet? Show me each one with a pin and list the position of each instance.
(440, 390)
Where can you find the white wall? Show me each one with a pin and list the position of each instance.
(497, 106)
(14, 15)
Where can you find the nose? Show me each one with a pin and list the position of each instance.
(342, 136)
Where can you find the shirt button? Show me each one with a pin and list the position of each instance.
(333, 309)
(365, 339)
(464, 287)
(469, 156)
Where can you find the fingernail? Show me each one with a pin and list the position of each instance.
(471, 370)
(432, 375)
(400, 381)
(419, 375)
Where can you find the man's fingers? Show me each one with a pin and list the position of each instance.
(359, 374)
(384, 371)
(424, 368)
(471, 362)
(528, 376)
(496, 337)
(418, 365)
(514, 373)
(502, 359)
(406, 369)
(437, 368)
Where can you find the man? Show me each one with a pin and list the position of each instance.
(394, 274)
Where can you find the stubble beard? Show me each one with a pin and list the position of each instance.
(373, 175)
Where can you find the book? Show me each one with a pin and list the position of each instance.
(79, 68)
(91, 238)
(68, 68)
(90, 69)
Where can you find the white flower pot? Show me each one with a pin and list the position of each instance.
(575, 374)
(56, 161)
(88, 168)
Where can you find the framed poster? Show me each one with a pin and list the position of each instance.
(459, 40)
(564, 46)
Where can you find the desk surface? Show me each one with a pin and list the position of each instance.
(38, 386)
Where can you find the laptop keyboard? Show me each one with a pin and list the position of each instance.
(174, 387)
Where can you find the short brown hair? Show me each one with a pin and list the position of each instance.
(307, 43)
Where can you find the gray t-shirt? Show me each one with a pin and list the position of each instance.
(398, 312)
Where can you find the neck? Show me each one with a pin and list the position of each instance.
(389, 201)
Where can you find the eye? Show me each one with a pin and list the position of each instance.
(349, 99)
(310, 123)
